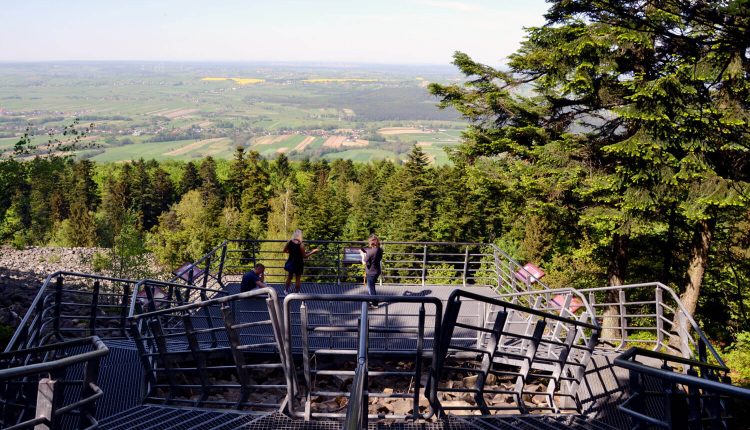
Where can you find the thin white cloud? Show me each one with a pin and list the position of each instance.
(453, 5)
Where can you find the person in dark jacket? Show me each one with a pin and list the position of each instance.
(253, 278)
(295, 263)
(372, 257)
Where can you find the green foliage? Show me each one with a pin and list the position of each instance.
(737, 358)
(6, 333)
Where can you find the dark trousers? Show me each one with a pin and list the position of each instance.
(371, 280)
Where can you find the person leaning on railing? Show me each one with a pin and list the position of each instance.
(254, 278)
(295, 264)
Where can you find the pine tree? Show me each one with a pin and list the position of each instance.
(190, 178)
(254, 204)
(236, 179)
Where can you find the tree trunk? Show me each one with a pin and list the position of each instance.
(618, 262)
(699, 247)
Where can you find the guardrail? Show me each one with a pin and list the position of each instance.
(404, 263)
(523, 345)
(152, 295)
(698, 397)
(196, 351)
(649, 315)
(36, 389)
(329, 335)
(71, 305)
(356, 413)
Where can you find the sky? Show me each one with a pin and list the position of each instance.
(321, 31)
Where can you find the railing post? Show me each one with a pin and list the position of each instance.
(623, 318)
(91, 376)
(466, 264)
(221, 264)
(305, 356)
(58, 306)
(674, 404)
(693, 404)
(92, 311)
(424, 266)
(659, 320)
(205, 277)
(683, 333)
(498, 271)
(124, 308)
(45, 403)
(338, 266)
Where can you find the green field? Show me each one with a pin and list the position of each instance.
(363, 155)
(135, 103)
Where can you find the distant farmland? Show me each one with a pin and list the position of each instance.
(184, 112)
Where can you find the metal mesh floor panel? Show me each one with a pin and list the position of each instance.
(528, 422)
(394, 315)
(165, 417)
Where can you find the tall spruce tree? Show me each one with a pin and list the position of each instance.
(649, 102)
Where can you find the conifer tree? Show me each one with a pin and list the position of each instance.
(254, 204)
(190, 179)
(236, 179)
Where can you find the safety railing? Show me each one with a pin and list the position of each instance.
(404, 263)
(224, 352)
(648, 315)
(356, 412)
(672, 392)
(72, 305)
(152, 295)
(51, 386)
(328, 330)
(524, 346)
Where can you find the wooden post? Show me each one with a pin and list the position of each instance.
(45, 401)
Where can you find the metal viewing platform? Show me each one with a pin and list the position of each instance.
(463, 338)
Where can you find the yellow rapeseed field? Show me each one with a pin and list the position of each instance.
(327, 80)
(241, 81)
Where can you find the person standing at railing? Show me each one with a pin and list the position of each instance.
(254, 279)
(295, 263)
(371, 258)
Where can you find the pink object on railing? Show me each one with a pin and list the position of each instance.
(575, 303)
(530, 273)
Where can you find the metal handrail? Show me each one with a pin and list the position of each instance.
(100, 350)
(29, 324)
(681, 308)
(681, 393)
(205, 293)
(173, 335)
(356, 413)
(495, 277)
(306, 351)
(456, 295)
(547, 346)
(49, 406)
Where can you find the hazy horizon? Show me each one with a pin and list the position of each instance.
(327, 32)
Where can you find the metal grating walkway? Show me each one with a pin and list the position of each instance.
(120, 378)
(170, 418)
(394, 315)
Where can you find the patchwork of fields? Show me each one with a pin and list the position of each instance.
(191, 112)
